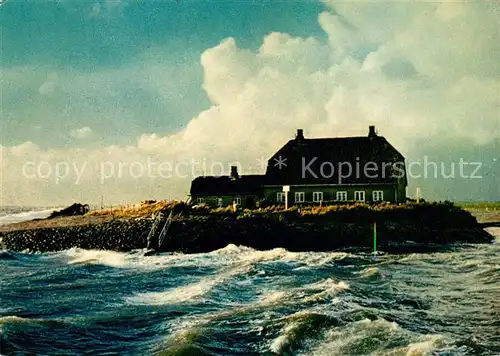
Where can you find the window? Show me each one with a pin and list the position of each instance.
(220, 202)
(378, 195)
(237, 200)
(300, 197)
(342, 196)
(280, 197)
(317, 197)
(200, 200)
(359, 195)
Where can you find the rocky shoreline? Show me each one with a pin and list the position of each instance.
(205, 231)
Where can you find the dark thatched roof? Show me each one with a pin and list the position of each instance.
(339, 153)
(225, 185)
(344, 160)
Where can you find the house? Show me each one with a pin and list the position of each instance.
(222, 191)
(315, 170)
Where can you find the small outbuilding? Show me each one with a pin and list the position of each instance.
(245, 190)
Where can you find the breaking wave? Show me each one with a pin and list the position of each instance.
(13, 215)
(241, 301)
(107, 258)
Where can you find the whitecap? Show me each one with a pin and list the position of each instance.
(102, 257)
(424, 347)
(279, 344)
(188, 292)
(324, 289)
(175, 295)
(272, 298)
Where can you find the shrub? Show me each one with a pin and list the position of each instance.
(227, 210)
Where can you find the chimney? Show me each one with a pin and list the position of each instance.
(234, 173)
(300, 135)
(371, 132)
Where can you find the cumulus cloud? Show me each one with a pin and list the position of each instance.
(425, 72)
(81, 133)
(49, 85)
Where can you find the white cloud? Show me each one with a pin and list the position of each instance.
(417, 71)
(27, 148)
(50, 84)
(81, 133)
(96, 9)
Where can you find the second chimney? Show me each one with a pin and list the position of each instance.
(234, 173)
(300, 135)
(372, 132)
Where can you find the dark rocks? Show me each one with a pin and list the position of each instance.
(118, 235)
(74, 209)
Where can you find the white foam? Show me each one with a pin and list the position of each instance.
(324, 289)
(248, 254)
(273, 297)
(281, 342)
(188, 292)
(175, 295)
(232, 249)
(338, 340)
(425, 347)
(328, 284)
(12, 319)
(289, 331)
(370, 272)
(169, 260)
(25, 216)
(107, 258)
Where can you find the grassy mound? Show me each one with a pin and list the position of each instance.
(146, 208)
(430, 215)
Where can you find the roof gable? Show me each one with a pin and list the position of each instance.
(321, 161)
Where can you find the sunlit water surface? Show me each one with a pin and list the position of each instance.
(239, 301)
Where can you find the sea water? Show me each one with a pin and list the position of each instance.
(9, 215)
(239, 301)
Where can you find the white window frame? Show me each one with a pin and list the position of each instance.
(378, 195)
(200, 200)
(220, 202)
(317, 197)
(280, 197)
(341, 195)
(358, 194)
(300, 197)
(237, 200)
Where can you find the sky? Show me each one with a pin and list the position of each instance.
(130, 100)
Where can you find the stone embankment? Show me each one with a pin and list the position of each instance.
(204, 230)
